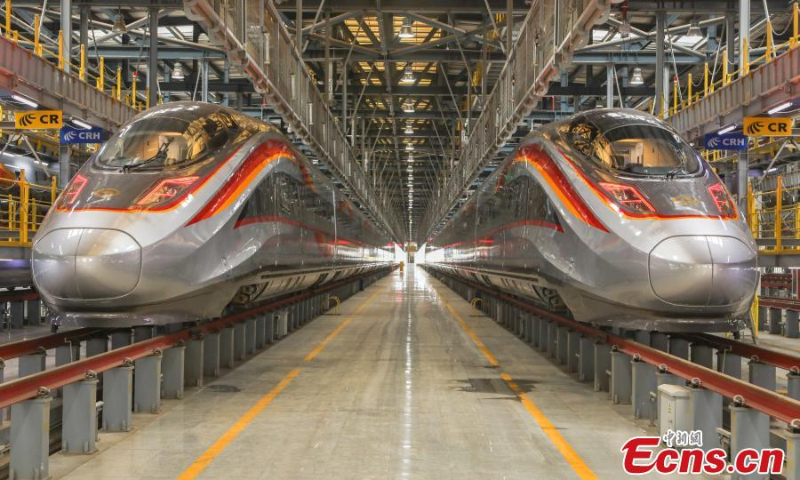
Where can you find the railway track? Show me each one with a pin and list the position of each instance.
(42, 384)
(741, 393)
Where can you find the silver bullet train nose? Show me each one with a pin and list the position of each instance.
(86, 263)
(702, 270)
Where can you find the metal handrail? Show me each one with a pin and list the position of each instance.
(21, 212)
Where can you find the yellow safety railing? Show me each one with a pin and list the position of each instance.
(61, 58)
(774, 217)
(710, 85)
(23, 206)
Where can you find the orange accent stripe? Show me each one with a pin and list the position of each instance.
(239, 180)
(560, 184)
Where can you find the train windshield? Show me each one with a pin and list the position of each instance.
(166, 143)
(641, 150)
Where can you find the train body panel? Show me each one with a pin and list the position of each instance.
(215, 209)
(643, 241)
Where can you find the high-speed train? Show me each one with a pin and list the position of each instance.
(611, 217)
(189, 209)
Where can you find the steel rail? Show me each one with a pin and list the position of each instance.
(778, 302)
(19, 296)
(45, 342)
(42, 383)
(783, 360)
(778, 406)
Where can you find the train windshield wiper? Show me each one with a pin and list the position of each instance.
(161, 155)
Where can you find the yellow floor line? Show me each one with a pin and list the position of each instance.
(219, 446)
(570, 455)
(321, 346)
(222, 443)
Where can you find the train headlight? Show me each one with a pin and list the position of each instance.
(722, 199)
(166, 192)
(628, 197)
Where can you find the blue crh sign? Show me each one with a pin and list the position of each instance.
(730, 141)
(71, 135)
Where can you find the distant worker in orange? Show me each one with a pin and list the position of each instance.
(402, 267)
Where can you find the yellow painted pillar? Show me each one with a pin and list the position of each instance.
(768, 57)
(724, 68)
(82, 70)
(37, 48)
(61, 50)
(8, 18)
(705, 80)
(778, 208)
(795, 25)
(53, 189)
(119, 83)
(101, 76)
(23, 208)
(689, 86)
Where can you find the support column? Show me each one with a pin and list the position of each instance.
(573, 351)
(661, 22)
(705, 410)
(602, 366)
(621, 378)
(211, 354)
(152, 58)
(749, 429)
(120, 339)
(261, 331)
(551, 339)
(226, 348)
(172, 367)
(250, 336)
(792, 469)
(34, 312)
(610, 79)
(32, 363)
(744, 35)
(193, 362)
(763, 318)
(792, 323)
(30, 439)
(67, 353)
(762, 374)
(659, 341)
(729, 364)
(17, 314)
(702, 355)
(562, 353)
(238, 341)
(79, 417)
(644, 382)
(793, 385)
(96, 345)
(775, 319)
(679, 347)
(586, 360)
(147, 384)
(142, 333)
(117, 399)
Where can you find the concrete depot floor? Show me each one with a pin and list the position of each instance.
(401, 392)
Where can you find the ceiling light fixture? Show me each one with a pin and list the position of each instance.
(408, 130)
(780, 108)
(625, 29)
(177, 72)
(407, 29)
(81, 123)
(119, 23)
(637, 79)
(24, 100)
(409, 147)
(694, 30)
(727, 130)
(408, 107)
(408, 74)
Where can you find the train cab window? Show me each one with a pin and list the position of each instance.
(154, 142)
(646, 150)
(641, 150)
